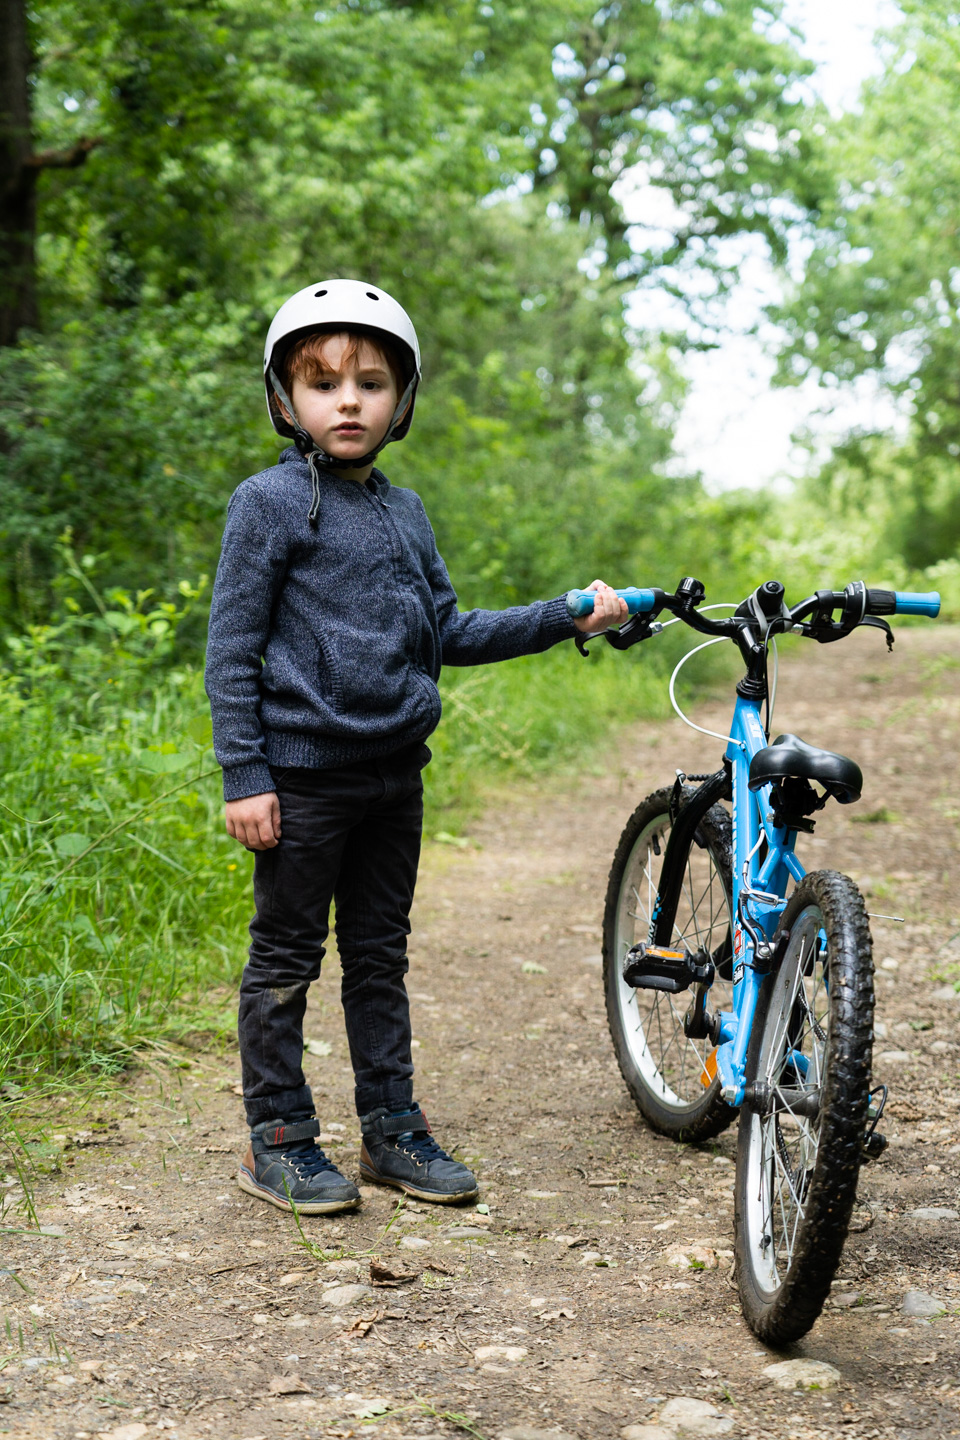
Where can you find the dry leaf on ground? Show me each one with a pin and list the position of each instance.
(383, 1276)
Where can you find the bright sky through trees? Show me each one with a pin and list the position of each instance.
(736, 428)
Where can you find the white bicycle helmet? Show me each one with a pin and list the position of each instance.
(334, 305)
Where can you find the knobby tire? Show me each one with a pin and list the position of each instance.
(796, 1185)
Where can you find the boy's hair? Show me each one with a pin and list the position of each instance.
(304, 360)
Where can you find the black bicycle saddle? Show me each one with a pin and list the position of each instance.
(789, 755)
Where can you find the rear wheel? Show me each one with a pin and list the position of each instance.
(800, 1147)
(668, 1074)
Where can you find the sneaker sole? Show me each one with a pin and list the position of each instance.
(248, 1182)
(418, 1194)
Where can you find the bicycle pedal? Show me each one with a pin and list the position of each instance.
(652, 967)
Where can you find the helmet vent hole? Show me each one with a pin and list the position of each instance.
(372, 296)
(318, 293)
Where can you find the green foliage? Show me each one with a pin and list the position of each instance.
(879, 297)
(118, 887)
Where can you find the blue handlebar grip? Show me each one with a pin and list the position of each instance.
(912, 602)
(580, 602)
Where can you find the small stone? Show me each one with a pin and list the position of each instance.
(288, 1385)
(124, 1432)
(895, 1057)
(694, 1417)
(691, 1257)
(55, 1230)
(940, 1047)
(933, 1212)
(647, 1432)
(464, 1232)
(945, 992)
(509, 1354)
(414, 1242)
(846, 1301)
(802, 1375)
(340, 1267)
(132, 1287)
(340, 1295)
(889, 963)
(921, 1305)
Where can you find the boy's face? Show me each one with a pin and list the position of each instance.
(348, 407)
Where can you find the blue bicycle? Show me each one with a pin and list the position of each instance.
(735, 982)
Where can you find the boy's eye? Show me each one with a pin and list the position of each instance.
(325, 385)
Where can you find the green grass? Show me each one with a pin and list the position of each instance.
(123, 903)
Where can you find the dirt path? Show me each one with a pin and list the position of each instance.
(182, 1308)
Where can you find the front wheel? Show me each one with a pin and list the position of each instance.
(802, 1127)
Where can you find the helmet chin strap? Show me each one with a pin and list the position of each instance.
(315, 456)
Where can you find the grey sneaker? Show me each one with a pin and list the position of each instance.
(399, 1150)
(283, 1163)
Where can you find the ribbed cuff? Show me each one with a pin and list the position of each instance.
(241, 781)
(557, 621)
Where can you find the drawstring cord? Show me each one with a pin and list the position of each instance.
(313, 460)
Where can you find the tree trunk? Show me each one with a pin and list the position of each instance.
(19, 168)
(18, 178)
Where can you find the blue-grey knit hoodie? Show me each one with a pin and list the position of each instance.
(326, 644)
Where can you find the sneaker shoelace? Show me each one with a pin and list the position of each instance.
(422, 1147)
(309, 1158)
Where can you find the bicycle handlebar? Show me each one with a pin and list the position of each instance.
(763, 613)
(875, 602)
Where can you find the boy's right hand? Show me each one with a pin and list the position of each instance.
(255, 820)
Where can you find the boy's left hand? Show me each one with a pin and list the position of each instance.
(608, 610)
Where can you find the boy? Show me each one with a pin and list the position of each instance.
(332, 613)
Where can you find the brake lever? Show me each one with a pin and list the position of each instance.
(639, 627)
(826, 631)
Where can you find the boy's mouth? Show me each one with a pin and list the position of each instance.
(348, 429)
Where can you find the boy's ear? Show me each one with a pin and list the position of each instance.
(278, 406)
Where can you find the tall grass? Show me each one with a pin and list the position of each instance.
(123, 903)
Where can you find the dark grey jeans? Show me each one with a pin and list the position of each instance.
(351, 835)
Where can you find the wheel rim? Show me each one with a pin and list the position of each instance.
(670, 1064)
(783, 1147)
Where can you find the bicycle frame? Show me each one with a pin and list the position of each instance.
(759, 891)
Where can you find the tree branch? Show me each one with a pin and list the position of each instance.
(63, 159)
